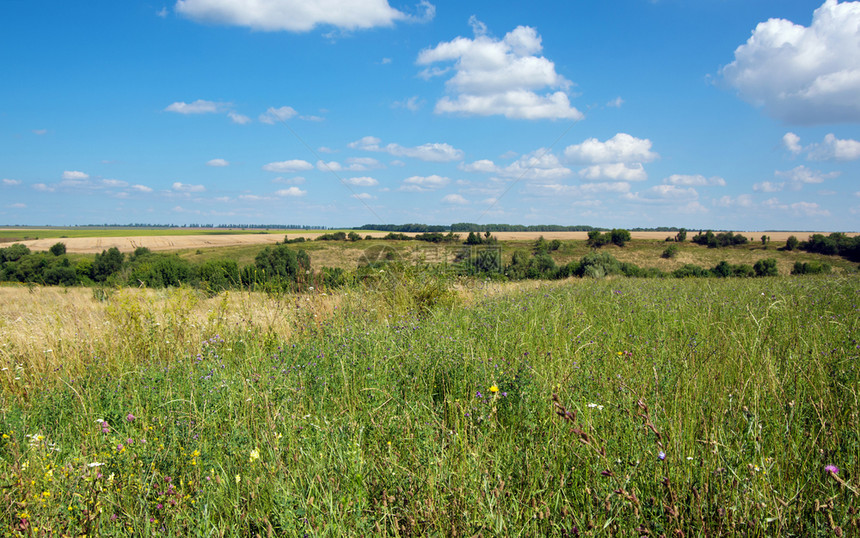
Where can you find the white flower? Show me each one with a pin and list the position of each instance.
(95, 464)
(598, 406)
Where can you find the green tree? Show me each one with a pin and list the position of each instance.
(106, 264)
(681, 236)
(765, 267)
(58, 249)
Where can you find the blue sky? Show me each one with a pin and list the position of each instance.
(726, 114)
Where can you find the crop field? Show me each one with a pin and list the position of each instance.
(417, 406)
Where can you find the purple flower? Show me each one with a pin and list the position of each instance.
(159, 506)
(119, 447)
(478, 394)
(661, 455)
(129, 417)
(831, 469)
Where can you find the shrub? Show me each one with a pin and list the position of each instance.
(765, 267)
(791, 243)
(596, 239)
(810, 268)
(670, 252)
(58, 249)
(599, 265)
(690, 270)
(106, 264)
(281, 263)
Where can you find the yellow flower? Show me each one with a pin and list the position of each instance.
(255, 455)
(238, 479)
(494, 388)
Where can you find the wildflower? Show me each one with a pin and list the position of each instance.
(238, 479)
(831, 469)
(129, 417)
(494, 388)
(661, 455)
(94, 464)
(120, 447)
(255, 455)
(597, 406)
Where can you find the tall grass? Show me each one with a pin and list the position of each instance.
(578, 408)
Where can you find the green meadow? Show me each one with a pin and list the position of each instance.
(425, 406)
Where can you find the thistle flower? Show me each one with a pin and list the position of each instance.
(831, 469)
(129, 417)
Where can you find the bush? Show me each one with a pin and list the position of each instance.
(106, 264)
(282, 264)
(599, 265)
(791, 243)
(670, 252)
(765, 267)
(810, 268)
(13, 253)
(58, 249)
(689, 270)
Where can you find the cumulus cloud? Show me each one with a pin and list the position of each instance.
(141, 188)
(696, 180)
(800, 209)
(833, 148)
(483, 165)
(361, 181)
(41, 187)
(199, 106)
(800, 74)
(792, 143)
(114, 183)
(363, 196)
(273, 115)
(11, 182)
(585, 189)
(614, 172)
(184, 187)
(299, 15)
(621, 148)
(412, 103)
(540, 165)
(743, 201)
(294, 165)
(499, 76)
(454, 199)
(615, 103)
(75, 175)
(291, 191)
(424, 183)
(298, 180)
(217, 163)
(431, 152)
(768, 186)
(241, 119)
(801, 175)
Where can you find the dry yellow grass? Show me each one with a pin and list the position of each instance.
(49, 329)
(92, 245)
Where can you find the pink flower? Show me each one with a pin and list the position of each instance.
(831, 469)
(129, 417)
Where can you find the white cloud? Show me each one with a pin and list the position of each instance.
(483, 165)
(162, 13)
(540, 165)
(615, 103)
(621, 148)
(199, 106)
(217, 163)
(800, 74)
(40, 132)
(424, 183)
(585, 189)
(75, 175)
(362, 181)
(673, 192)
(614, 172)
(833, 148)
(273, 115)
(363, 196)
(286, 167)
(744, 201)
(17, 206)
(292, 191)
(299, 15)
(253, 198)
(808, 209)
(141, 188)
(412, 103)
(184, 187)
(241, 119)
(499, 77)
(696, 180)
(792, 143)
(768, 186)
(801, 175)
(431, 152)
(41, 187)
(454, 199)
(114, 183)
(11, 182)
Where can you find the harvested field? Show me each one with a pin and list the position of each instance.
(92, 245)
